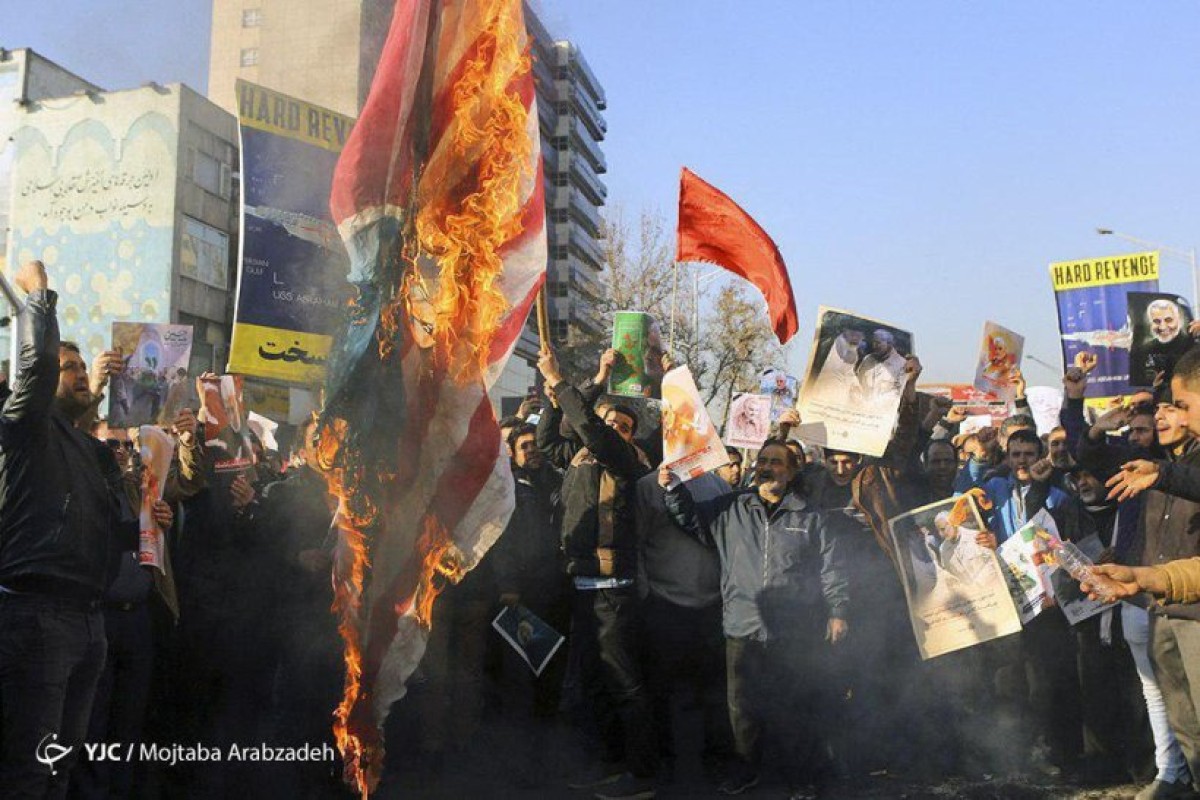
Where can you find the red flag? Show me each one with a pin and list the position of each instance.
(715, 229)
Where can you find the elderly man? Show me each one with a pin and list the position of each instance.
(784, 589)
(1169, 341)
(881, 373)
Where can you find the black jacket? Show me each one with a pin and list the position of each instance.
(598, 536)
(62, 523)
(527, 558)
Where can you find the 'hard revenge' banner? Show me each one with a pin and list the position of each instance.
(293, 262)
(1091, 296)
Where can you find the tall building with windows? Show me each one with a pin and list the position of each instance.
(324, 52)
(570, 105)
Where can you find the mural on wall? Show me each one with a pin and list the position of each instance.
(94, 198)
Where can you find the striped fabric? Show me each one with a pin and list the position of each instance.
(439, 197)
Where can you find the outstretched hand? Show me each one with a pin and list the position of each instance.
(1133, 479)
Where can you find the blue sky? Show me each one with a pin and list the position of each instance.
(920, 162)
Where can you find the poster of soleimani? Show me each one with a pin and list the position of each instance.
(749, 421)
(852, 386)
(1160, 335)
(956, 591)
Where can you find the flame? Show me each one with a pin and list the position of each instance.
(465, 237)
(439, 564)
(960, 512)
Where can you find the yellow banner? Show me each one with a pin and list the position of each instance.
(265, 110)
(284, 355)
(1127, 268)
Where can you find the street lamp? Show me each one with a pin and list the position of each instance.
(1183, 255)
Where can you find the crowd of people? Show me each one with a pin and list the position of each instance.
(765, 592)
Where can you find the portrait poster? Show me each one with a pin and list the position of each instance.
(1075, 605)
(852, 386)
(291, 285)
(638, 342)
(154, 384)
(226, 427)
(749, 421)
(782, 389)
(529, 635)
(956, 591)
(157, 449)
(1160, 335)
(1093, 314)
(999, 358)
(691, 445)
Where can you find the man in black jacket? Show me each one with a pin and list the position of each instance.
(600, 544)
(60, 532)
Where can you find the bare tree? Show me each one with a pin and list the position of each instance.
(738, 343)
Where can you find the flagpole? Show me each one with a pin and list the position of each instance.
(674, 303)
(543, 319)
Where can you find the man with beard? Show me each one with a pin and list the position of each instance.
(61, 530)
(784, 590)
(1169, 340)
(881, 373)
(527, 562)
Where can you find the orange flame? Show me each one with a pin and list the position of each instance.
(466, 237)
(961, 513)
(439, 564)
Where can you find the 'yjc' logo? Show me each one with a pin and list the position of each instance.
(50, 753)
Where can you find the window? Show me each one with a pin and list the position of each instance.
(251, 17)
(562, 179)
(558, 251)
(249, 56)
(561, 143)
(560, 215)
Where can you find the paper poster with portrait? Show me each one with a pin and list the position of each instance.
(154, 384)
(999, 360)
(749, 421)
(955, 588)
(157, 449)
(529, 635)
(691, 445)
(781, 388)
(226, 426)
(852, 387)
(1160, 335)
(637, 339)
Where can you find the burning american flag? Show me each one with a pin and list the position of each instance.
(439, 198)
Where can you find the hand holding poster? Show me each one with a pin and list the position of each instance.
(999, 357)
(691, 446)
(749, 421)
(955, 588)
(156, 449)
(851, 392)
(224, 418)
(1032, 556)
(1160, 335)
(154, 385)
(638, 342)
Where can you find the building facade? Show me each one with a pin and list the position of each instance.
(128, 198)
(324, 52)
